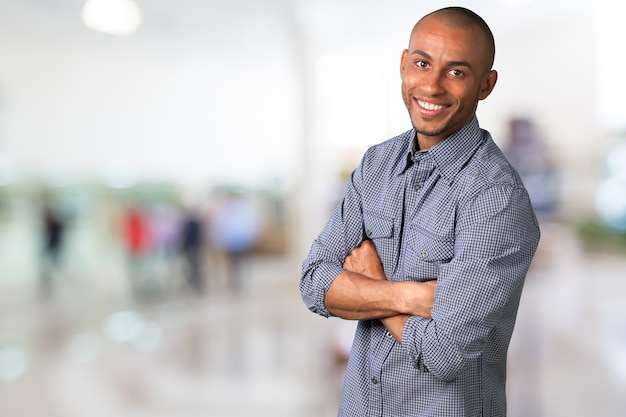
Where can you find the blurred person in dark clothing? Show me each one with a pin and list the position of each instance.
(192, 246)
(430, 247)
(53, 234)
(527, 152)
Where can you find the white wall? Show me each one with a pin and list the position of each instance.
(211, 104)
(243, 90)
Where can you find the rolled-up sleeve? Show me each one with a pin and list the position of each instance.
(342, 233)
(478, 291)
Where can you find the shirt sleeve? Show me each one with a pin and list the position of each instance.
(478, 291)
(342, 233)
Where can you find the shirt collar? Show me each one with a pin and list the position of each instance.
(451, 154)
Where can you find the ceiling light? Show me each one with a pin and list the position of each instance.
(117, 17)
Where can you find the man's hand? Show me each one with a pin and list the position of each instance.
(364, 260)
(420, 298)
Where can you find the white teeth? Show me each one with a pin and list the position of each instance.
(429, 106)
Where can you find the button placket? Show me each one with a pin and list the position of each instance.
(423, 168)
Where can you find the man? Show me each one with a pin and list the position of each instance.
(431, 244)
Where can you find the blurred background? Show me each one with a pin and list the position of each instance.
(164, 166)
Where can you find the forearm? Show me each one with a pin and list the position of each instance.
(354, 296)
(357, 297)
(395, 325)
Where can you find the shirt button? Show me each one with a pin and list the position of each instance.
(369, 233)
(425, 255)
(389, 335)
(417, 186)
(374, 381)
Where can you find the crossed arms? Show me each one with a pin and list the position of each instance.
(362, 292)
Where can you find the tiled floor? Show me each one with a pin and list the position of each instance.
(259, 352)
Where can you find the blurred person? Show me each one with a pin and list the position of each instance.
(526, 151)
(53, 236)
(137, 239)
(163, 221)
(431, 244)
(235, 228)
(192, 247)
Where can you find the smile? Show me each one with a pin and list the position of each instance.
(430, 106)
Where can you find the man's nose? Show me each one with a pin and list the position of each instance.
(432, 82)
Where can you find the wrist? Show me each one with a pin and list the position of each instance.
(401, 301)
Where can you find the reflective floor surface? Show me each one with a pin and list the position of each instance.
(93, 350)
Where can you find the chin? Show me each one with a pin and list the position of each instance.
(428, 131)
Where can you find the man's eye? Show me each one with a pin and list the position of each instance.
(456, 73)
(421, 64)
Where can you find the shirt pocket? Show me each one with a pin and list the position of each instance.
(425, 253)
(380, 229)
(377, 226)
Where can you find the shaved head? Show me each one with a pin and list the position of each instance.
(462, 18)
(446, 71)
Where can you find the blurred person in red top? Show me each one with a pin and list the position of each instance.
(136, 235)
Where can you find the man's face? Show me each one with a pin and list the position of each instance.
(444, 75)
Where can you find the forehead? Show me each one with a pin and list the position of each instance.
(438, 36)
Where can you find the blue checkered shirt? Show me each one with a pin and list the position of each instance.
(460, 214)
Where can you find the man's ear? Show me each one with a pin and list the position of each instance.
(403, 59)
(489, 82)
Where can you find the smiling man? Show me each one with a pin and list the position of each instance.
(445, 72)
(430, 247)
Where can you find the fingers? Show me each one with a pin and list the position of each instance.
(359, 254)
(367, 245)
(365, 249)
(365, 260)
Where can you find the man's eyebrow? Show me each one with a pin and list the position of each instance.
(460, 64)
(451, 63)
(422, 53)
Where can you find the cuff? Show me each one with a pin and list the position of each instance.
(412, 336)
